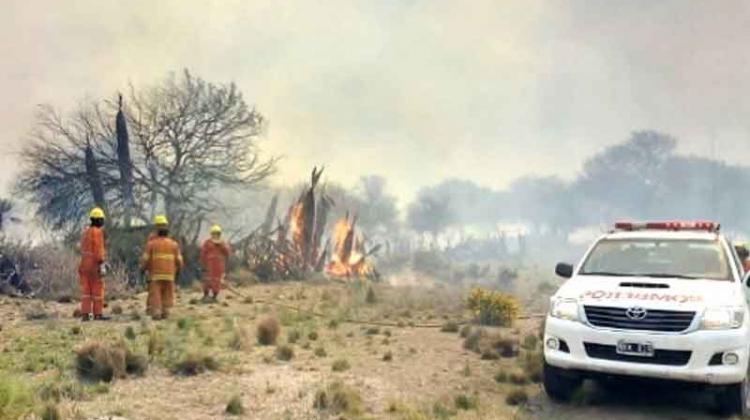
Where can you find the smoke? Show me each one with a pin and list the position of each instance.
(416, 90)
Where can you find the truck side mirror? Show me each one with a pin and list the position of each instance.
(564, 270)
(747, 279)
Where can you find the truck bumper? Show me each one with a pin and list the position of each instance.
(702, 345)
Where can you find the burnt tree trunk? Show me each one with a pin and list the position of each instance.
(124, 163)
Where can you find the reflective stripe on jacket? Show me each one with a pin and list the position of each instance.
(161, 258)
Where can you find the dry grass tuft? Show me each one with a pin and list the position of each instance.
(518, 378)
(533, 365)
(193, 364)
(517, 396)
(50, 412)
(97, 361)
(320, 352)
(136, 364)
(340, 365)
(36, 311)
(450, 327)
(117, 309)
(241, 338)
(530, 341)
(268, 331)
(285, 352)
(370, 297)
(471, 342)
(338, 398)
(388, 356)
(293, 336)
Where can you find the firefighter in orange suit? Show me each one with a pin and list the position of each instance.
(92, 267)
(162, 261)
(214, 254)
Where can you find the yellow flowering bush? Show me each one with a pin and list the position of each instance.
(493, 308)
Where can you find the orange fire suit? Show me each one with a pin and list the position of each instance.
(162, 260)
(89, 277)
(214, 254)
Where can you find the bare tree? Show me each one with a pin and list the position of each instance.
(187, 137)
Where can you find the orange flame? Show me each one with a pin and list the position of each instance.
(348, 258)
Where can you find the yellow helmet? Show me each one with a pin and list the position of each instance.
(215, 229)
(160, 219)
(96, 213)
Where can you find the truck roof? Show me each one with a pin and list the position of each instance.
(663, 234)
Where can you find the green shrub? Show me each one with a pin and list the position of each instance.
(130, 333)
(185, 323)
(320, 352)
(466, 402)
(312, 336)
(234, 406)
(16, 398)
(388, 356)
(465, 331)
(493, 308)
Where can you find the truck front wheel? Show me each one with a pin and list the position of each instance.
(732, 399)
(560, 385)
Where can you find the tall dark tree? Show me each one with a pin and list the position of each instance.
(93, 177)
(124, 163)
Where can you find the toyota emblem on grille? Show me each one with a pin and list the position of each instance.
(636, 313)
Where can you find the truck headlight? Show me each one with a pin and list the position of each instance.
(564, 309)
(722, 318)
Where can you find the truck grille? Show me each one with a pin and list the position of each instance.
(655, 320)
(660, 357)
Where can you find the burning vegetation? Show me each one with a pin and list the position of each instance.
(300, 244)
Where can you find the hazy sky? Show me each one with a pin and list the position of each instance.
(413, 90)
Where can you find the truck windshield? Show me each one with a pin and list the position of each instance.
(689, 259)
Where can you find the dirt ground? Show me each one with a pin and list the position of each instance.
(400, 371)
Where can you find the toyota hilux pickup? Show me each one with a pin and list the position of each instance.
(657, 300)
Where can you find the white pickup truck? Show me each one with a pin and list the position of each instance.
(664, 300)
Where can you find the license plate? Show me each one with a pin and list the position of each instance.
(630, 348)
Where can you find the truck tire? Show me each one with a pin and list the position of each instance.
(732, 399)
(559, 385)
